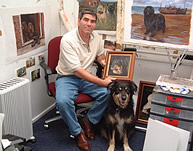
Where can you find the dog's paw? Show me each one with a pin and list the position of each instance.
(127, 148)
(111, 148)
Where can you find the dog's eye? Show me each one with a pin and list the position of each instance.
(126, 88)
(120, 89)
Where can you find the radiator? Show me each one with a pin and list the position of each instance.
(15, 103)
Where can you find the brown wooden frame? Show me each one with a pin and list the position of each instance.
(127, 61)
(145, 89)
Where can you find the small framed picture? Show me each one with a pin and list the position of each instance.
(35, 74)
(120, 64)
(21, 72)
(144, 101)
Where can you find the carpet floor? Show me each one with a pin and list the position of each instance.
(57, 138)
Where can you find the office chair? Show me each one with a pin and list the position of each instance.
(82, 103)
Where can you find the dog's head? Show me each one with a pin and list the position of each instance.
(122, 92)
(117, 69)
(111, 8)
(148, 11)
(118, 66)
(100, 9)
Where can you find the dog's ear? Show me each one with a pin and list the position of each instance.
(111, 85)
(133, 87)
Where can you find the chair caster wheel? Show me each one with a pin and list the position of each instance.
(46, 127)
(32, 139)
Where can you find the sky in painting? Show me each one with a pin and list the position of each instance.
(163, 3)
(108, 0)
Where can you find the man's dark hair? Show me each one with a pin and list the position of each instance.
(87, 11)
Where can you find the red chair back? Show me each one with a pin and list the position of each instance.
(53, 52)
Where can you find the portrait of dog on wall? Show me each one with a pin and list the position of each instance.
(153, 22)
(118, 121)
(101, 15)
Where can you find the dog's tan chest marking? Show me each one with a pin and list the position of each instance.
(120, 124)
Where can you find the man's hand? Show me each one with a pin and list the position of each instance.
(108, 80)
(103, 63)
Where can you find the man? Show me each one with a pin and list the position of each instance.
(79, 49)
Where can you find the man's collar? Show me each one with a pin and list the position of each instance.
(78, 35)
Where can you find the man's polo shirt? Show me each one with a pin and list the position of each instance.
(76, 54)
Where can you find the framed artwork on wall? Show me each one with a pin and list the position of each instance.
(106, 13)
(120, 65)
(144, 101)
(159, 24)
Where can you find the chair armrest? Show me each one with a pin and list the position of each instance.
(48, 72)
(46, 68)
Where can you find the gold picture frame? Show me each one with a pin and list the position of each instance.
(120, 65)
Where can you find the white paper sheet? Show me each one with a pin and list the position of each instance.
(164, 137)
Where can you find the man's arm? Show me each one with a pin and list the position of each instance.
(85, 75)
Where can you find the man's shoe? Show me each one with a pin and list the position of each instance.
(87, 128)
(82, 142)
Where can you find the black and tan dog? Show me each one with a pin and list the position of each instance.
(118, 120)
(153, 22)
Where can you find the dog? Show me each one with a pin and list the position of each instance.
(119, 66)
(153, 22)
(101, 15)
(147, 106)
(118, 120)
(111, 10)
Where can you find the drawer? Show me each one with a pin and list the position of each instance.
(174, 101)
(174, 122)
(172, 112)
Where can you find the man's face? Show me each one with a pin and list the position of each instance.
(87, 24)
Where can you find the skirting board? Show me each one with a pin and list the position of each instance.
(43, 113)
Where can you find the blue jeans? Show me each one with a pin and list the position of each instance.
(67, 88)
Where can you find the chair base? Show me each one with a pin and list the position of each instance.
(46, 123)
(81, 110)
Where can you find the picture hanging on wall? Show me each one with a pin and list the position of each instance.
(30, 62)
(159, 23)
(35, 74)
(29, 32)
(106, 13)
(21, 71)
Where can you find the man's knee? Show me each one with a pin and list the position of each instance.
(63, 102)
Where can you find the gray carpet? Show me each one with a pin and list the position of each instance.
(56, 138)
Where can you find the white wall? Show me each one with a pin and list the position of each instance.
(8, 66)
(144, 69)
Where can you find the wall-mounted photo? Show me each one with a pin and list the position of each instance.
(30, 62)
(106, 12)
(35, 74)
(29, 32)
(165, 23)
(41, 58)
(108, 44)
(144, 101)
(21, 72)
(119, 64)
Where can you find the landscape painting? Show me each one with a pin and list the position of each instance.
(162, 21)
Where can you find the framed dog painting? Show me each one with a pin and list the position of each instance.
(160, 24)
(120, 65)
(144, 101)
